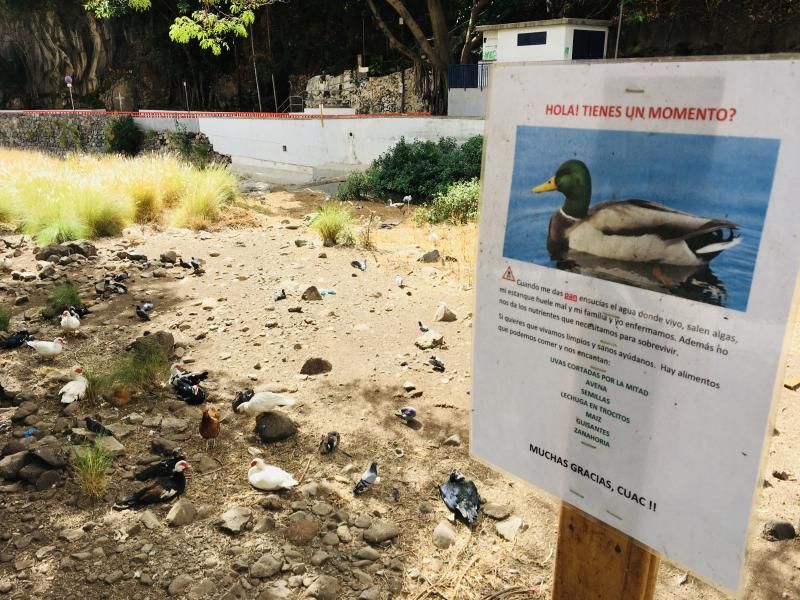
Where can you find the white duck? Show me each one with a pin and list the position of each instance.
(47, 349)
(70, 322)
(257, 403)
(266, 477)
(75, 389)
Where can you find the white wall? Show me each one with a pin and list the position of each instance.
(469, 102)
(508, 51)
(307, 149)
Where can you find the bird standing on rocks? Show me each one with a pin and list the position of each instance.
(69, 322)
(422, 327)
(162, 468)
(461, 496)
(161, 490)
(368, 479)
(142, 314)
(256, 403)
(209, 425)
(75, 389)
(407, 413)
(47, 349)
(268, 478)
(198, 268)
(437, 365)
(328, 443)
(280, 296)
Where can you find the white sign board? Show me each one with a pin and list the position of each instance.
(638, 257)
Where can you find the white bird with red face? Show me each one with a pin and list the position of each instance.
(70, 322)
(75, 389)
(269, 478)
(47, 349)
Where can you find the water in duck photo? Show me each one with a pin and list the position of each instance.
(672, 213)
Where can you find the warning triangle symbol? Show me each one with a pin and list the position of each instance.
(509, 275)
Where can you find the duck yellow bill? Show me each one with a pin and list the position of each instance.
(547, 186)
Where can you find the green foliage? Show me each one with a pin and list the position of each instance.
(421, 169)
(458, 204)
(90, 463)
(333, 222)
(98, 384)
(191, 147)
(123, 136)
(62, 297)
(143, 366)
(5, 318)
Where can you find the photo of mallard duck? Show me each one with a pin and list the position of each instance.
(630, 230)
(671, 213)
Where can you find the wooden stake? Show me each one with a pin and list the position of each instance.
(594, 561)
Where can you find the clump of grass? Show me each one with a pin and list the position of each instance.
(205, 194)
(458, 204)
(333, 222)
(62, 297)
(90, 464)
(98, 384)
(145, 365)
(5, 318)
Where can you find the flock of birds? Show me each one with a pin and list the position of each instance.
(166, 479)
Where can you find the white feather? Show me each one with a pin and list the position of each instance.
(70, 322)
(266, 477)
(5, 264)
(74, 390)
(47, 349)
(262, 402)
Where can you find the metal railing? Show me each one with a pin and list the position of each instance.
(468, 76)
(292, 104)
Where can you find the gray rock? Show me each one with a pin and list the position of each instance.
(234, 519)
(274, 427)
(113, 577)
(444, 535)
(367, 553)
(324, 588)
(343, 531)
(373, 593)
(321, 509)
(509, 528)
(778, 530)
(11, 465)
(170, 257)
(276, 592)
(160, 273)
(496, 511)
(182, 513)
(453, 440)
(319, 557)
(380, 532)
(443, 313)
(6, 587)
(430, 257)
(265, 567)
(265, 523)
(163, 445)
(48, 479)
(31, 472)
(149, 519)
(429, 339)
(111, 445)
(174, 425)
(330, 539)
(164, 339)
(53, 457)
(206, 588)
(315, 366)
(311, 294)
(20, 300)
(180, 584)
(71, 535)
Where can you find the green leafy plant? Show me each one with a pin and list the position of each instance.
(333, 222)
(62, 297)
(90, 464)
(5, 318)
(123, 136)
(145, 365)
(458, 204)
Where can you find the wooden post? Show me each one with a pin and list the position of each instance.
(594, 561)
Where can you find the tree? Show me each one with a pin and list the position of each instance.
(212, 22)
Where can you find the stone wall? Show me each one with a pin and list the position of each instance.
(365, 94)
(56, 134)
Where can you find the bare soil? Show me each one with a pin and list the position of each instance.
(227, 322)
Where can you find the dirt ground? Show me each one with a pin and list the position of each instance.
(226, 321)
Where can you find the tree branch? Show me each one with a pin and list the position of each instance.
(393, 41)
(469, 38)
(415, 29)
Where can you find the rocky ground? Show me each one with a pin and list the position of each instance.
(224, 539)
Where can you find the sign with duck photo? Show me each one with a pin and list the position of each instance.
(637, 265)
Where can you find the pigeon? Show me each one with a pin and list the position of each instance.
(47, 349)
(407, 413)
(120, 277)
(328, 443)
(256, 403)
(15, 340)
(79, 312)
(422, 327)
(280, 296)
(142, 313)
(115, 287)
(164, 488)
(437, 365)
(75, 389)
(359, 264)
(268, 478)
(162, 468)
(399, 281)
(198, 269)
(461, 496)
(184, 264)
(148, 306)
(97, 427)
(368, 478)
(70, 322)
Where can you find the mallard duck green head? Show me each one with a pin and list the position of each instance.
(573, 180)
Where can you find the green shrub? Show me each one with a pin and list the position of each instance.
(5, 318)
(333, 222)
(123, 136)
(62, 297)
(143, 366)
(458, 204)
(90, 464)
(191, 147)
(421, 169)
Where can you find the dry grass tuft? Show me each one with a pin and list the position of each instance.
(90, 464)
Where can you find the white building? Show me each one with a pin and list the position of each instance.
(555, 39)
